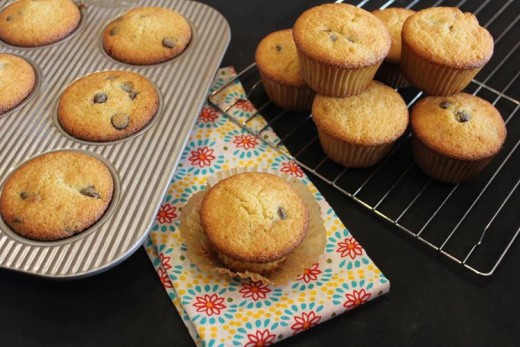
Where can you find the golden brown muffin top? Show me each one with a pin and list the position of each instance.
(342, 35)
(277, 58)
(17, 79)
(255, 217)
(461, 126)
(394, 17)
(30, 23)
(376, 116)
(56, 195)
(449, 37)
(147, 35)
(107, 106)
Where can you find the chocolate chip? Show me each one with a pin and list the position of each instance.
(17, 220)
(281, 213)
(100, 98)
(462, 116)
(24, 195)
(444, 104)
(350, 39)
(133, 95)
(9, 18)
(333, 37)
(114, 31)
(120, 121)
(70, 231)
(127, 87)
(279, 48)
(168, 42)
(90, 191)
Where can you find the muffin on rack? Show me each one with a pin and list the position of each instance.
(107, 106)
(253, 221)
(340, 48)
(455, 137)
(29, 23)
(277, 61)
(443, 49)
(147, 35)
(56, 195)
(358, 131)
(390, 70)
(17, 80)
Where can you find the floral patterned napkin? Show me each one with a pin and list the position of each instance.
(220, 311)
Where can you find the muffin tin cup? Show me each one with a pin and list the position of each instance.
(333, 81)
(142, 164)
(433, 79)
(288, 97)
(352, 155)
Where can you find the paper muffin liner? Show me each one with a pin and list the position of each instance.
(352, 155)
(391, 75)
(200, 251)
(328, 80)
(433, 79)
(288, 97)
(443, 168)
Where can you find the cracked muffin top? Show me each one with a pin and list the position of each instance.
(107, 106)
(342, 35)
(56, 195)
(29, 23)
(147, 35)
(276, 57)
(254, 217)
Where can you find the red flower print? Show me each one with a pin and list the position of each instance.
(310, 274)
(208, 114)
(305, 321)
(245, 141)
(166, 213)
(291, 168)
(356, 298)
(260, 339)
(245, 105)
(202, 157)
(255, 290)
(163, 275)
(211, 304)
(165, 261)
(349, 247)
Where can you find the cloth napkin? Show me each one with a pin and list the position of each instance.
(219, 310)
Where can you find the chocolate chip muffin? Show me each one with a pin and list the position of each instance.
(147, 35)
(17, 79)
(443, 49)
(390, 70)
(277, 61)
(340, 48)
(358, 131)
(56, 195)
(30, 23)
(107, 106)
(253, 221)
(455, 137)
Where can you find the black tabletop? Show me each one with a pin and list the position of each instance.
(432, 302)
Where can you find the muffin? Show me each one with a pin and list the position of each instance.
(17, 79)
(29, 23)
(147, 35)
(358, 131)
(277, 61)
(107, 106)
(390, 71)
(455, 137)
(443, 49)
(340, 48)
(253, 221)
(56, 195)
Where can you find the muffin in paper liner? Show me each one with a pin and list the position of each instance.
(200, 251)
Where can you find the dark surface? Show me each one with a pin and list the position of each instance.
(431, 302)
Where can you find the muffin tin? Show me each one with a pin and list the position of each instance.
(141, 165)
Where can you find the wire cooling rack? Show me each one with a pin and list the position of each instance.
(473, 224)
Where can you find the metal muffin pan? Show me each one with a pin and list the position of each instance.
(141, 165)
